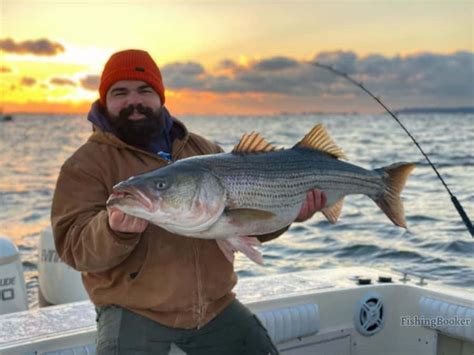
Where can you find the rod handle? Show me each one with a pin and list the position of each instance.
(463, 215)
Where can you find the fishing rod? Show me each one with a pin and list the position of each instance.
(454, 200)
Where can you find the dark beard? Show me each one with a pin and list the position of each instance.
(138, 133)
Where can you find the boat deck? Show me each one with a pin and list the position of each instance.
(305, 312)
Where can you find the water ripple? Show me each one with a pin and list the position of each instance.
(357, 250)
(400, 255)
(460, 247)
(436, 242)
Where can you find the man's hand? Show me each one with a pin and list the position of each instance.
(121, 222)
(315, 201)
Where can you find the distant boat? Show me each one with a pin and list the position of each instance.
(6, 118)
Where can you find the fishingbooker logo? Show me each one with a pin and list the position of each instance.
(434, 322)
(7, 294)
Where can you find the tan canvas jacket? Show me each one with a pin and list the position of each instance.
(177, 281)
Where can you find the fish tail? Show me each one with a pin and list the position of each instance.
(394, 177)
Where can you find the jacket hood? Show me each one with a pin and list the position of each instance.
(97, 117)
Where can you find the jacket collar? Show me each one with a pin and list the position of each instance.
(164, 143)
(103, 132)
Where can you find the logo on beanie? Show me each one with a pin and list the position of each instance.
(140, 69)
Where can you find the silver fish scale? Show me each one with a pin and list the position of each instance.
(277, 181)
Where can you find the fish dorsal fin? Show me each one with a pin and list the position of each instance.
(333, 212)
(253, 143)
(319, 139)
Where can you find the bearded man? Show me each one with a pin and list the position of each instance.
(151, 288)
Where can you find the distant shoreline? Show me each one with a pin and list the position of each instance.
(411, 110)
(450, 110)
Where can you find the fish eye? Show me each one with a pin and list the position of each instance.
(161, 185)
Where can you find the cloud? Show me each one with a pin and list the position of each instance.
(184, 75)
(281, 75)
(27, 81)
(228, 64)
(276, 63)
(423, 74)
(90, 82)
(62, 82)
(40, 47)
(342, 60)
(5, 69)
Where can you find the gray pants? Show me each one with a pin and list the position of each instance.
(234, 331)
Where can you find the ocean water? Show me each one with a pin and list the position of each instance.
(436, 243)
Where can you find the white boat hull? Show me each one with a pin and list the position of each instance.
(310, 312)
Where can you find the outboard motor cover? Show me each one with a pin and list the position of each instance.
(13, 297)
(58, 282)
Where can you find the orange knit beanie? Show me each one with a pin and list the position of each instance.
(131, 64)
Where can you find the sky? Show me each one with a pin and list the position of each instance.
(241, 57)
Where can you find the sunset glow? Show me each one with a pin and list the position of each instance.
(244, 58)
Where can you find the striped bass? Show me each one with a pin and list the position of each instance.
(255, 189)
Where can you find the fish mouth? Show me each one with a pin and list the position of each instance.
(122, 194)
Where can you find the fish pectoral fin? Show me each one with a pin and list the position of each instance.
(333, 212)
(226, 249)
(318, 138)
(253, 143)
(242, 215)
(244, 245)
